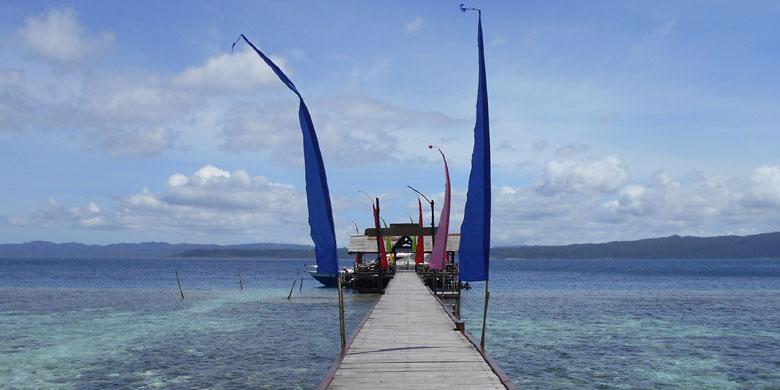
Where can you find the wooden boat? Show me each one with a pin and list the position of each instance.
(327, 279)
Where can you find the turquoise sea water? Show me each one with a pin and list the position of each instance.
(628, 324)
(564, 324)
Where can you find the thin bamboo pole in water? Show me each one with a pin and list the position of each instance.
(179, 284)
(295, 279)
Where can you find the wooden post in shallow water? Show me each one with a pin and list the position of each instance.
(179, 283)
(342, 331)
(292, 288)
(484, 316)
(240, 282)
(457, 303)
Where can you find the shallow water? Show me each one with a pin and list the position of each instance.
(564, 324)
(121, 324)
(614, 324)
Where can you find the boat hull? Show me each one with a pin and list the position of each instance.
(327, 280)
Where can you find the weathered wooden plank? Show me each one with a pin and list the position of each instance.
(408, 341)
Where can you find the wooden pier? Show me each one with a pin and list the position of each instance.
(410, 342)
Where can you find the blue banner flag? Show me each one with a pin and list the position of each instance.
(317, 195)
(474, 252)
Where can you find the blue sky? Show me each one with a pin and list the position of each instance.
(610, 120)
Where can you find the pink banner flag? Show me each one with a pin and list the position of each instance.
(439, 252)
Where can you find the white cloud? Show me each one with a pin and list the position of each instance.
(136, 101)
(693, 204)
(414, 24)
(58, 36)
(146, 115)
(55, 215)
(347, 127)
(605, 175)
(230, 72)
(119, 117)
(129, 118)
(211, 200)
(26, 104)
(764, 189)
(572, 211)
(134, 142)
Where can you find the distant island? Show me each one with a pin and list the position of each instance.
(766, 245)
(46, 249)
(279, 253)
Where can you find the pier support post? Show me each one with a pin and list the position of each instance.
(342, 331)
(457, 286)
(484, 316)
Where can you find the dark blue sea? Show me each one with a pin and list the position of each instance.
(553, 324)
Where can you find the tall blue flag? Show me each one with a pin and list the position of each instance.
(317, 195)
(474, 252)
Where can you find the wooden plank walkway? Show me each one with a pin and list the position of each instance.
(409, 342)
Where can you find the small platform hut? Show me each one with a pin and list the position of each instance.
(368, 277)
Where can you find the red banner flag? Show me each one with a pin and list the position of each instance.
(380, 245)
(419, 256)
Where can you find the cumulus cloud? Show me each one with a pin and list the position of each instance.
(522, 215)
(211, 200)
(605, 175)
(414, 25)
(58, 36)
(764, 188)
(596, 201)
(661, 206)
(230, 72)
(665, 199)
(55, 214)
